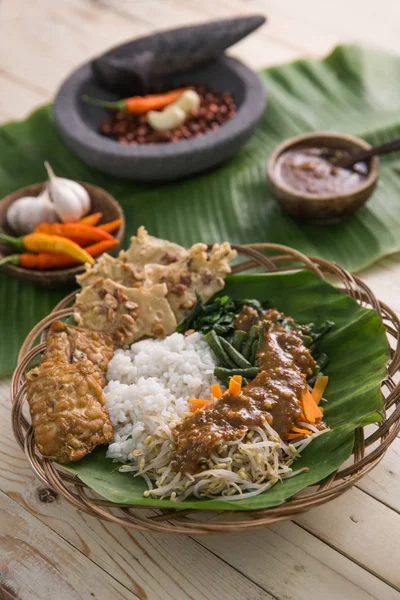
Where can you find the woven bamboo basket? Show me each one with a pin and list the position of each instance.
(367, 452)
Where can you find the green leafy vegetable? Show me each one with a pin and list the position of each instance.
(225, 374)
(239, 338)
(253, 336)
(234, 355)
(316, 333)
(217, 315)
(215, 344)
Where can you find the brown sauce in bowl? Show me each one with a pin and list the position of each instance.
(305, 170)
(274, 395)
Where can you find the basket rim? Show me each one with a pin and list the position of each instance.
(184, 520)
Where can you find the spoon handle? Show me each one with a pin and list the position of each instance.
(366, 154)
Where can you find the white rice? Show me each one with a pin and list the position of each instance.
(149, 388)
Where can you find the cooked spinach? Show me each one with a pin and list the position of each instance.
(217, 315)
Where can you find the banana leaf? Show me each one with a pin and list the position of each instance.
(358, 353)
(355, 89)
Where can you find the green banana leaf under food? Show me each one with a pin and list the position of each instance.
(354, 90)
(358, 353)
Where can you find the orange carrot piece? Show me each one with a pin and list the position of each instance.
(300, 430)
(198, 401)
(92, 219)
(111, 226)
(235, 385)
(216, 391)
(311, 411)
(319, 388)
(293, 436)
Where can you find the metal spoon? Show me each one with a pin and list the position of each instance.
(347, 161)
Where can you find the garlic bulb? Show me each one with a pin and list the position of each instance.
(70, 198)
(26, 213)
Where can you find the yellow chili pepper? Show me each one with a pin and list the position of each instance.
(43, 242)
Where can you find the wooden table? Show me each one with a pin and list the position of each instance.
(49, 551)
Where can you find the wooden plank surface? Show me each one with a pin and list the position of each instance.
(346, 549)
(37, 564)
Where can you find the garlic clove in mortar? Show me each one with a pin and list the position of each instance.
(169, 118)
(26, 213)
(70, 198)
(188, 101)
(174, 114)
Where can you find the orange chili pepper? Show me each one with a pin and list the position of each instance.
(80, 233)
(138, 105)
(92, 219)
(44, 260)
(111, 226)
(54, 244)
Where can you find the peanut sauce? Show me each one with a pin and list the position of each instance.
(306, 170)
(274, 395)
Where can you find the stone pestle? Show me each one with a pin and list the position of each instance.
(139, 65)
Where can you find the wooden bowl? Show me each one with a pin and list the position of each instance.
(101, 201)
(321, 209)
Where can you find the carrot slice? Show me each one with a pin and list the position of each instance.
(319, 388)
(311, 411)
(235, 385)
(199, 401)
(300, 430)
(293, 436)
(216, 391)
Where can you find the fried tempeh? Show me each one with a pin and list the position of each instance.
(70, 344)
(65, 395)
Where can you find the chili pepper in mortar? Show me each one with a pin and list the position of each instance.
(43, 242)
(44, 260)
(138, 105)
(80, 233)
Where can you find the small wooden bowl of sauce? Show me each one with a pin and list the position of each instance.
(310, 187)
